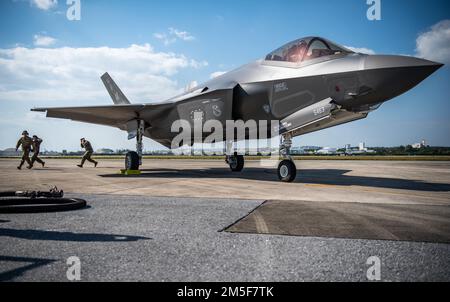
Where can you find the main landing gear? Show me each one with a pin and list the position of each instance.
(236, 162)
(134, 159)
(286, 171)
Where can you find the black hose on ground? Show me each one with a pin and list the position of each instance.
(7, 193)
(38, 202)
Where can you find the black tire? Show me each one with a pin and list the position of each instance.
(132, 161)
(287, 171)
(237, 163)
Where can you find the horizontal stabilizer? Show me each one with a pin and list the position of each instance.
(112, 115)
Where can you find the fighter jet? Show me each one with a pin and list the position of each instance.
(307, 85)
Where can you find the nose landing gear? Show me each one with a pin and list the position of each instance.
(287, 171)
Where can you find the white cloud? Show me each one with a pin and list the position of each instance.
(190, 86)
(163, 37)
(217, 74)
(361, 50)
(173, 35)
(183, 35)
(45, 4)
(198, 64)
(435, 44)
(72, 74)
(40, 40)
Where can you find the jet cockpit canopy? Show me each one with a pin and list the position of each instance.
(306, 49)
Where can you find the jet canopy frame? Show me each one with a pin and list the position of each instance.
(305, 51)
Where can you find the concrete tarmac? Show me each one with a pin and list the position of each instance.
(343, 181)
(171, 222)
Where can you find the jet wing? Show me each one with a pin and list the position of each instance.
(112, 115)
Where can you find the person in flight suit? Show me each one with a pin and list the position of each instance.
(86, 145)
(36, 149)
(26, 142)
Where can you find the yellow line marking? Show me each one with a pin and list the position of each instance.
(261, 225)
(321, 185)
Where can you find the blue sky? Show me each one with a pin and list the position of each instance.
(47, 60)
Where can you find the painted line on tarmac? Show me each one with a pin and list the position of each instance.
(261, 225)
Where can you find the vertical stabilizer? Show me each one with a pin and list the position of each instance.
(114, 91)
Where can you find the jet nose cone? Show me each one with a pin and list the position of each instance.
(383, 61)
(391, 76)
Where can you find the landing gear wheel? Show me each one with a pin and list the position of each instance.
(132, 161)
(287, 171)
(236, 163)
